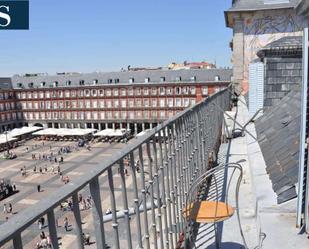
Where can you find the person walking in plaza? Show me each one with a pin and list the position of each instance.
(41, 170)
(5, 210)
(10, 208)
(39, 188)
(66, 224)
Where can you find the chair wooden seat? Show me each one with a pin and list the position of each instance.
(209, 211)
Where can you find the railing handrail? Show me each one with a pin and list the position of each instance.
(25, 218)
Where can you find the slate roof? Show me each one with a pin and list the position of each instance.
(292, 43)
(5, 83)
(201, 75)
(278, 136)
(253, 5)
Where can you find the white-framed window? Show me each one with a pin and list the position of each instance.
(170, 102)
(154, 91)
(177, 90)
(162, 114)
(116, 103)
(94, 104)
(192, 90)
(138, 103)
(108, 92)
(162, 102)
(101, 104)
(131, 103)
(123, 92)
(94, 92)
(146, 103)
(123, 103)
(204, 90)
(193, 102)
(123, 114)
(88, 104)
(178, 102)
(162, 90)
(116, 92)
(130, 91)
(146, 90)
(60, 94)
(101, 92)
(169, 91)
(186, 102)
(138, 91)
(109, 103)
(185, 90)
(154, 102)
(87, 93)
(73, 93)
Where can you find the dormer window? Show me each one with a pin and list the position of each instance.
(30, 85)
(217, 78)
(147, 80)
(193, 78)
(20, 85)
(131, 80)
(117, 80)
(43, 83)
(81, 82)
(55, 84)
(178, 78)
(162, 79)
(68, 83)
(95, 82)
(110, 81)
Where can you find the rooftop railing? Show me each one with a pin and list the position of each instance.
(144, 185)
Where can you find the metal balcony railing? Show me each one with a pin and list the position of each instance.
(146, 206)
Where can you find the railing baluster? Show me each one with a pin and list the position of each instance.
(157, 181)
(142, 166)
(136, 202)
(125, 204)
(52, 229)
(97, 213)
(153, 214)
(17, 241)
(114, 211)
(163, 191)
(78, 222)
(170, 184)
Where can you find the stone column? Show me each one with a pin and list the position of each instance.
(150, 125)
(113, 126)
(92, 125)
(143, 126)
(135, 128)
(121, 126)
(106, 125)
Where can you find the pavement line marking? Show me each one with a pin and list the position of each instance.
(28, 201)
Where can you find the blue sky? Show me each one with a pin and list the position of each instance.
(97, 35)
